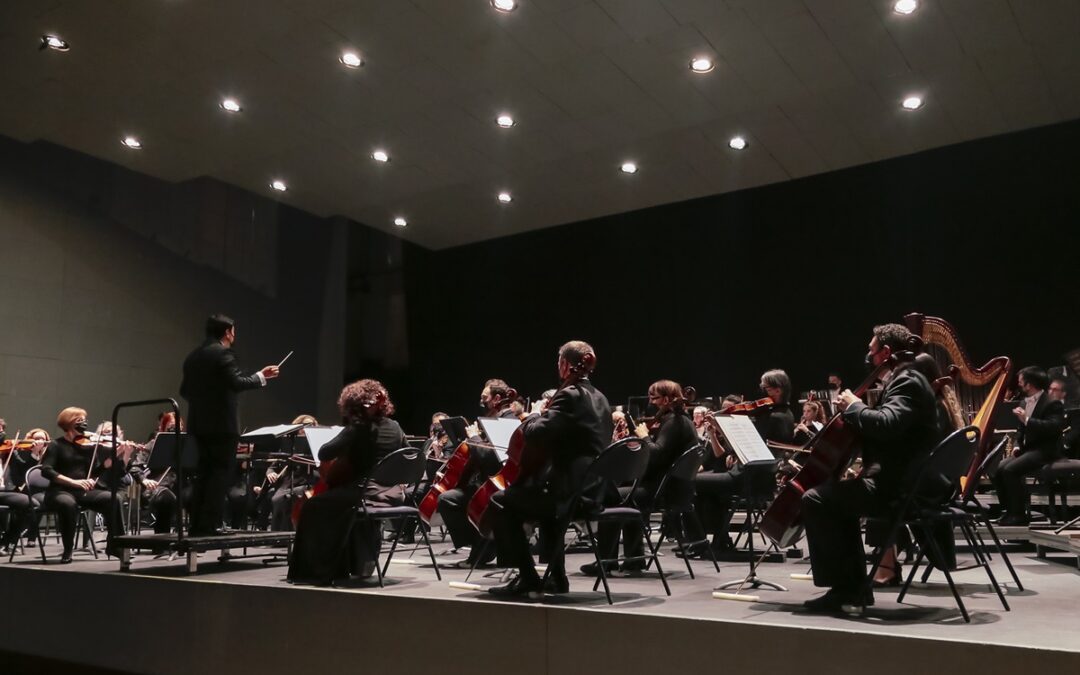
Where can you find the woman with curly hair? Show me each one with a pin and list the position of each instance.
(369, 435)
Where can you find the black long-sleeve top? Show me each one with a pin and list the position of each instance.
(364, 443)
(674, 436)
(65, 458)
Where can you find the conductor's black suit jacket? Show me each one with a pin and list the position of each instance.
(211, 384)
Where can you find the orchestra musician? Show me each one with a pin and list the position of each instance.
(68, 466)
(1042, 421)
(495, 399)
(13, 493)
(716, 489)
(369, 435)
(283, 482)
(901, 428)
(700, 413)
(621, 425)
(670, 434)
(211, 383)
(811, 422)
(435, 447)
(573, 428)
(159, 494)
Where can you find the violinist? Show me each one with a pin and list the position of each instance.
(716, 489)
(622, 426)
(369, 435)
(435, 447)
(159, 488)
(899, 429)
(495, 399)
(13, 493)
(573, 428)
(68, 465)
(283, 482)
(670, 434)
(700, 413)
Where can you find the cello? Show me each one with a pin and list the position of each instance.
(831, 449)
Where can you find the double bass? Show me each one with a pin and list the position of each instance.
(830, 451)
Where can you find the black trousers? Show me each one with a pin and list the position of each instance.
(831, 513)
(239, 504)
(65, 505)
(1009, 479)
(281, 506)
(20, 515)
(452, 507)
(520, 504)
(162, 504)
(217, 456)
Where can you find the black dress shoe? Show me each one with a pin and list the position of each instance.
(65, 558)
(1009, 520)
(634, 567)
(836, 600)
(557, 584)
(592, 570)
(518, 588)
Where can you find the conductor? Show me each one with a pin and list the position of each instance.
(211, 383)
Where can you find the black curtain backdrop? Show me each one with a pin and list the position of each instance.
(714, 291)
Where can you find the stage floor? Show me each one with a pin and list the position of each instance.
(1044, 616)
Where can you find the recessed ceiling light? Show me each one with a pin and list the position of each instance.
(505, 121)
(505, 197)
(380, 156)
(351, 59)
(231, 105)
(132, 142)
(912, 103)
(400, 222)
(278, 185)
(701, 64)
(55, 43)
(737, 143)
(905, 6)
(628, 167)
(504, 5)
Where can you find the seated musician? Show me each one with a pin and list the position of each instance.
(573, 430)
(159, 487)
(700, 413)
(69, 466)
(435, 447)
(495, 399)
(318, 554)
(621, 425)
(283, 483)
(666, 439)
(1042, 421)
(716, 489)
(13, 493)
(812, 421)
(901, 428)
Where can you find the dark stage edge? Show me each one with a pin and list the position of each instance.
(241, 617)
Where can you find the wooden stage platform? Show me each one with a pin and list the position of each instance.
(240, 616)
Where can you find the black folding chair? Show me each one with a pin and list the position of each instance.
(36, 484)
(981, 512)
(930, 501)
(671, 508)
(404, 467)
(624, 461)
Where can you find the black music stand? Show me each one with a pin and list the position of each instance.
(745, 441)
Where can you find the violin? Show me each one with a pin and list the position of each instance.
(749, 407)
(9, 445)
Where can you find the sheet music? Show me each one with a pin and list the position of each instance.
(499, 430)
(744, 439)
(273, 431)
(318, 437)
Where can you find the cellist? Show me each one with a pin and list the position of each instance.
(901, 428)
(495, 399)
(574, 428)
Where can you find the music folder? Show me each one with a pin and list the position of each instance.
(164, 453)
(745, 441)
(273, 431)
(455, 430)
(318, 437)
(499, 430)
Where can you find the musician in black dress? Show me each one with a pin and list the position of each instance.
(894, 434)
(73, 471)
(319, 555)
(1042, 420)
(495, 399)
(211, 384)
(716, 489)
(573, 430)
(14, 494)
(670, 434)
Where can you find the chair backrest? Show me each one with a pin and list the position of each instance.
(400, 467)
(939, 479)
(684, 468)
(623, 461)
(35, 481)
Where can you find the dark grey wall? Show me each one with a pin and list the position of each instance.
(106, 277)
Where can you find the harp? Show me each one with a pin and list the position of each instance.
(978, 389)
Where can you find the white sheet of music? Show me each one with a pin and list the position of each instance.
(499, 430)
(318, 437)
(744, 439)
